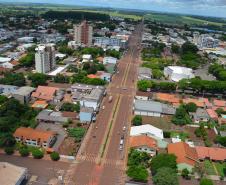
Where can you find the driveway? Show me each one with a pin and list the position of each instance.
(61, 133)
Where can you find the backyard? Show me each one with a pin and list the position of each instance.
(214, 168)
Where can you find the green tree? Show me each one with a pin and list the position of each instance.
(143, 85)
(175, 48)
(59, 78)
(55, 156)
(136, 158)
(9, 150)
(157, 74)
(188, 47)
(37, 154)
(37, 79)
(163, 160)
(137, 120)
(206, 182)
(70, 107)
(137, 173)
(28, 60)
(16, 79)
(24, 151)
(185, 173)
(165, 176)
(191, 107)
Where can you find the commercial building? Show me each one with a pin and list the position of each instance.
(87, 95)
(152, 108)
(45, 58)
(23, 94)
(109, 60)
(83, 33)
(105, 42)
(206, 41)
(177, 73)
(86, 114)
(33, 137)
(11, 174)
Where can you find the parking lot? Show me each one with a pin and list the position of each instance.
(40, 171)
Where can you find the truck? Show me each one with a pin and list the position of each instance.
(110, 99)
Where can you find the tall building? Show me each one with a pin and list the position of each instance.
(206, 41)
(45, 58)
(83, 33)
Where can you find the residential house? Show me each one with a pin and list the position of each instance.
(212, 114)
(144, 73)
(143, 95)
(40, 104)
(50, 116)
(86, 58)
(144, 143)
(199, 102)
(86, 114)
(7, 89)
(23, 94)
(45, 93)
(219, 103)
(152, 108)
(200, 115)
(168, 98)
(104, 76)
(187, 156)
(33, 137)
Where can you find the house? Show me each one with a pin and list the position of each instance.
(23, 94)
(87, 95)
(33, 137)
(212, 114)
(187, 156)
(199, 102)
(144, 143)
(104, 76)
(86, 58)
(177, 73)
(143, 95)
(50, 116)
(86, 114)
(152, 108)
(144, 73)
(147, 130)
(219, 103)
(200, 115)
(12, 175)
(45, 93)
(109, 60)
(7, 89)
(70, 115)
(211, 153)
(40, 104)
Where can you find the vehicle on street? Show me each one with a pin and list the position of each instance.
(110, 99)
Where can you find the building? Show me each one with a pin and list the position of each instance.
(144, 143)
(45, 58)
(187, 156)
(86, 58)
(147, 130)
(87, 95)
(144, 73)
(45, 93)
(169, 98)
(86, 114)
(12, 175)
(110, 60)
(40, 104)
(177, 73)
(33, 137)
(23, 94)
(200, 115)
(152, 108)
(212, 114)
(105, 42)
(83, 33)
(7, 89)
(206, 41)
(50, 116)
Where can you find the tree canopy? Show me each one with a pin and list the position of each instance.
(165, 176)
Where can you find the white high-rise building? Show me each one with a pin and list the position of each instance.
(83, 33)
(45, 58)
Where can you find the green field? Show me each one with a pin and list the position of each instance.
(180, 19)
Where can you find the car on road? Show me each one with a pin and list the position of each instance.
(124, 88)
(124, 128)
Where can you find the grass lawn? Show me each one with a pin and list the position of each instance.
(209, 169)
(220, 167)
(163, 123)
(182, 135)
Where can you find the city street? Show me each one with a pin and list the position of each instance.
(101, 161)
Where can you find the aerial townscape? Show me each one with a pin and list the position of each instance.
(101, 95)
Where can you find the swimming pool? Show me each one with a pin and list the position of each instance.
(223, 116)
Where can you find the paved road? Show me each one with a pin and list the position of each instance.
(100, 161)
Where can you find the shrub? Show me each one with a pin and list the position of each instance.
(137, 120)
(137, 173)
(206, 182)
(185, 173)
(166, 134)
(55, 156)
(37, 154)
(9, 150)
(24, 151)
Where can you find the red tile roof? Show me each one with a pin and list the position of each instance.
(199, 102)
(30, 133)
(219, 103)
(212, 113)
(138, 141)
(217, 154)
(92, 76)
(44, 93)
(40, 104)
(183, 152)
(171, 98)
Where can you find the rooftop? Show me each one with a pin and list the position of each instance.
(10, 174)
(45, 92)
(142, 140)
(218, 154)
(24, 91)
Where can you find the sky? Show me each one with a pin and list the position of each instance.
(215, 8)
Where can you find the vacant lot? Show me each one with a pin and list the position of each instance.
(162, 122)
